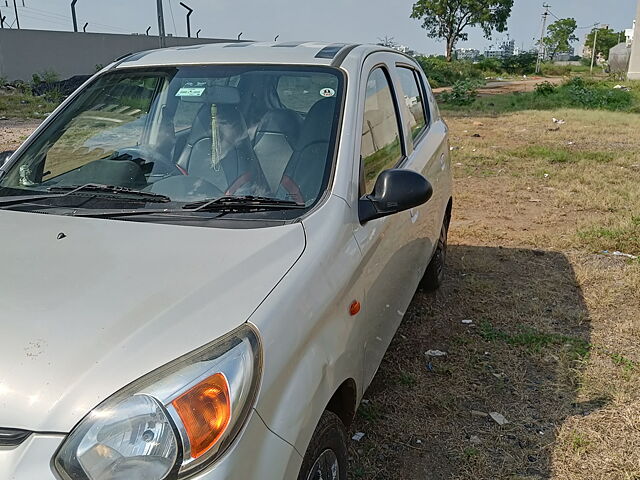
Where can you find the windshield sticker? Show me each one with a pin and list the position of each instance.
(328, 92)
(190, 92)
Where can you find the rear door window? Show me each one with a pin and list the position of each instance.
(381, 141)
(414, 100)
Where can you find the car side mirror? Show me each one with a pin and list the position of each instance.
(395, 191)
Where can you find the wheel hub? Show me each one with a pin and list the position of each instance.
(325, 467)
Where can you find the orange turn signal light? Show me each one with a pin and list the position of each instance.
(354, 308)
(205, 411)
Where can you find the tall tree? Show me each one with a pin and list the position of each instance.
(448, 19)
(560, 35)
(607, 39)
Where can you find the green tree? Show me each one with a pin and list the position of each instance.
(607, 39)
(522, 64)
(448, 19)
(560, 35)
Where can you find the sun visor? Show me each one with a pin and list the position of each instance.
(212, 94)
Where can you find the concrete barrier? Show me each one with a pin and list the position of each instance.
(25, 52)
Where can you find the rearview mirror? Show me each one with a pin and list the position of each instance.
(395, 191)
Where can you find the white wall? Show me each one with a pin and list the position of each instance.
(634, 64)
(25, 52)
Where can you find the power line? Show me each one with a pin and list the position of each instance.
(52, 16)
(173, 20)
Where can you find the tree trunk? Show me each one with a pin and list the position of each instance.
(450, 44)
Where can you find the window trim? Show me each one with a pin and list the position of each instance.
(425, 105)
(401, 134)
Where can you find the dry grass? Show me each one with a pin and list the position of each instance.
(556, 324)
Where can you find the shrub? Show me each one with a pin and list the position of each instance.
(54, 95)
(545, 88)
(522, 64)
(464, 92)
(442, 73)
(46, 76)
(551, 69)
(490, 66)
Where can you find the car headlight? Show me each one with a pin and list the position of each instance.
(172, 422)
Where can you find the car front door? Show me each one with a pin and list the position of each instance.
(382, 241)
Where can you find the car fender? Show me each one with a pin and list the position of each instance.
(312, 343)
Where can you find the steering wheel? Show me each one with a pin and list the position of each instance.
(161, 164)
(292, 188)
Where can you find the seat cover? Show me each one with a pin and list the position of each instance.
(305, 171)
(236, 165)
(275, 139)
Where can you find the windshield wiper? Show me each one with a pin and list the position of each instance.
(113, 191)
(241, 204)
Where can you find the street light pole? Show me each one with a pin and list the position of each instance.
(15, 7)
(161, 31)
(189, 12)
(73, 15)
(593, 52)
(541, 47)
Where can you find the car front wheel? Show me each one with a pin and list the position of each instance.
(326, 457)
(434, 276)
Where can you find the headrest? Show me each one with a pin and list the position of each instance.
(280, 121)
(213, 94)
(317, 125)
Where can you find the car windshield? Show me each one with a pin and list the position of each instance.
(191, 133)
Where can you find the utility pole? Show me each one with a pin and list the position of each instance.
(541, 46)
(73, 15)
(593, 52)
(15, 7)
(198, 33)
(189, 12)
(161, 32)
(84, 29)
(148, 29)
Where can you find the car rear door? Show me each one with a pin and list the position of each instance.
(428, 154)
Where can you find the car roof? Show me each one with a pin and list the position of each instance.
(286, 53)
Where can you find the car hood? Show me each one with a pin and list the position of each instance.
(90, 305)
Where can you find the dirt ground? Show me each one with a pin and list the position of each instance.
(14, 132)
(540, 328)
(509, 86)
(538, 325)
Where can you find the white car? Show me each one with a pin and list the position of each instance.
(205, 254)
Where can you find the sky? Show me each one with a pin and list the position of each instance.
(361, 21)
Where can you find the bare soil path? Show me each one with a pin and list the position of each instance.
(509, 86)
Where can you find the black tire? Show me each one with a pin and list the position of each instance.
(329, 436)
(434, 276)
